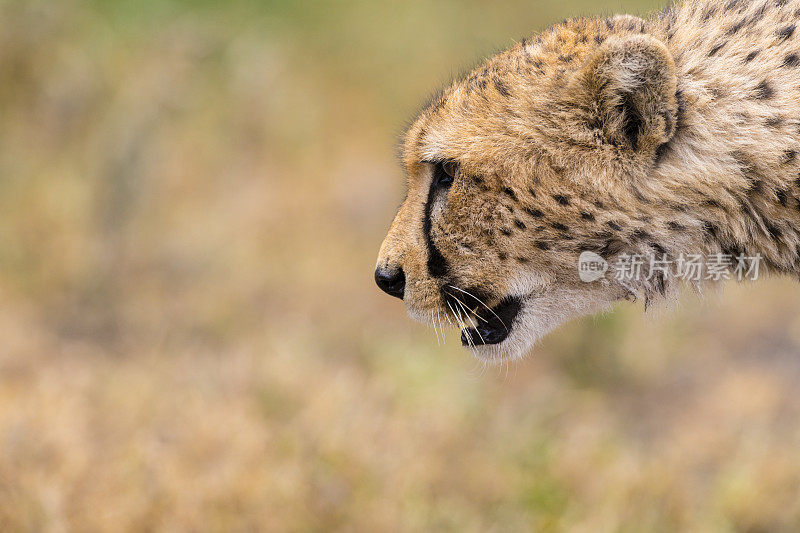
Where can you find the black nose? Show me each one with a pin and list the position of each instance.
(391, 281)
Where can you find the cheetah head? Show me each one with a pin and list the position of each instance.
(516, 169)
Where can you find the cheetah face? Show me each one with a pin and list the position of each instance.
(472, 252)
(501, 203)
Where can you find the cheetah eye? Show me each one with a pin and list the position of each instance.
(444, 172)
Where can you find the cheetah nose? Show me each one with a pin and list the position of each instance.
(392, 281)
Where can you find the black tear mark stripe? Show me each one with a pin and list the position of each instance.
(438, 266)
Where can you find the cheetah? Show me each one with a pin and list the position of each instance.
(618, 137)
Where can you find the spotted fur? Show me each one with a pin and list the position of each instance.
(676, 134)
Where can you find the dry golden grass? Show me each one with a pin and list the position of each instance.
(192, 198)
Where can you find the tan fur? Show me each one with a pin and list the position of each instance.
(548, 168)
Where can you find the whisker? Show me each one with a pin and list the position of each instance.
(466, 309)
(435, 331)
(482, 303)
(464, 327)
(465, 330)
(456, 317)
(474, 326)
(449, 320)
(461, 324)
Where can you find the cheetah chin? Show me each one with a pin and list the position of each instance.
(508, 330)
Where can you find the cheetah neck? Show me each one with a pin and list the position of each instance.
(729, 181)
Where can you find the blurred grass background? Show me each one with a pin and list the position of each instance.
(192, 196)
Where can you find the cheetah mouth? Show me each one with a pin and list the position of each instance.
(482, 325)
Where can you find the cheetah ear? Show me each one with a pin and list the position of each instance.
(629, 88)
